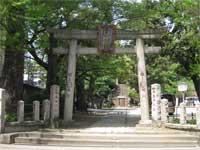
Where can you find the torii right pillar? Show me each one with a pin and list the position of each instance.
(142, 81)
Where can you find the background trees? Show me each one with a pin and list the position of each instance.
(182, 44)
(26, 23)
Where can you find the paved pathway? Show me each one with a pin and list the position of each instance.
(116, 123)
(127, 119)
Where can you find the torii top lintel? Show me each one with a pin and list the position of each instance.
(77, 34)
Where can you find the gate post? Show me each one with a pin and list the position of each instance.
(156, 102)
(71, 72)
(142, 81)
(164, 111)
(36, 111)
(46, 110)
(20, 111)
(198, 115)
(183, 113)
(54, 105)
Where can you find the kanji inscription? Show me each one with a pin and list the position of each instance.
(106, 38)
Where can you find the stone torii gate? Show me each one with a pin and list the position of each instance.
(74, 50)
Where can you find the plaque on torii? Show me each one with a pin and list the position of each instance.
(106, 38)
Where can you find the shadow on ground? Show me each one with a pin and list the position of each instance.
(84, 121)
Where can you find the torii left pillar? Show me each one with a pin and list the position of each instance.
(142, 81)
(70, 85)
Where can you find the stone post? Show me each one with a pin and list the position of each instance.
(198, 115)
(176, 106)
(46, 110)
(54, 105)
(156, 100)
(142, 81)
(20, 111)
(69, 95)
(36, 111)
(183, 113)
(164, 110)
(2, 110)
(177, 101)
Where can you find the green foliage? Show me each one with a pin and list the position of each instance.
(100, 72)
(182, 44)
(104, 85)
(192, 121)
(176, 120)
(134, 95)
(36, 95)
(161, 70)
(195, 70)
(13, 23)
(10, 117)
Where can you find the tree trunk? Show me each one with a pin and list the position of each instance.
(81, 104)
(13, 69)
(52, 71)
(52, 66)
(196, 82)
(12, 76)
(91, 91)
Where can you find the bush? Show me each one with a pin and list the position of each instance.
(10, 117)
(176, 120)
(192, 121)
(134, 95)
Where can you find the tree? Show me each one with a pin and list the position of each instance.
(183, 42)
(12, 22)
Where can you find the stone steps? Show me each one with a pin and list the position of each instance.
(105, 143)
(81, 138)
(114, 131)
(108, 136)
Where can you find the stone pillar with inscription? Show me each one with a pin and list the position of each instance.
(46, 110)
(54, 105)
(164, 110)
(70, 85)
(20, 111)
(2, 110)
(142, 81)
(198, 115)
(183, 113)
(156, 100)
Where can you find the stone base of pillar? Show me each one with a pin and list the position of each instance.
(67, 123)
(145, 123)
(157, 124)
(54, 124)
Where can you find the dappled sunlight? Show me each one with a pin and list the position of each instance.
(124, 121)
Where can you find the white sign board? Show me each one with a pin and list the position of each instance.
(182, 87)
